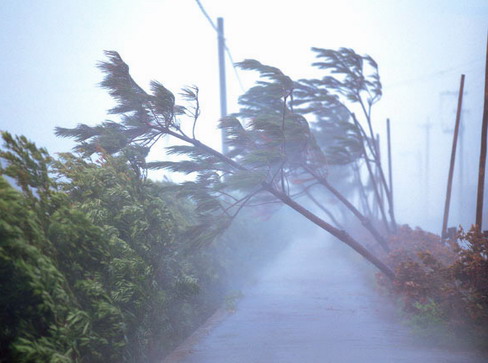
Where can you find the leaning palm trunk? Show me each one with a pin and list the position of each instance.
(365, 221)
(341, 235)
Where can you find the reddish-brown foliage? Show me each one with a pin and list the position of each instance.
(442, 282)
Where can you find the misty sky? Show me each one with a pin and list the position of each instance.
(49, 50)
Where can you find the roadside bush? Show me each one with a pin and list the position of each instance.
(443, 286)
(96, 264)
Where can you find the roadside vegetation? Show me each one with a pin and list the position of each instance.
(96, 264)
(442, 285)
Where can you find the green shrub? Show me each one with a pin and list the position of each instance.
(96, 263)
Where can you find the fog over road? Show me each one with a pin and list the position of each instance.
(313, 305)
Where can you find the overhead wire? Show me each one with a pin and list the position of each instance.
(206, 15)
(434, 75)
(227, 50)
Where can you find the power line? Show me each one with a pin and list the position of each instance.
(227, 50)
(206, 15)
(434, 75)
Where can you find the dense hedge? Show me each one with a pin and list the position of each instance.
(95, 264)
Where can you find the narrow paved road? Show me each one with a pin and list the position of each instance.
(313, 305)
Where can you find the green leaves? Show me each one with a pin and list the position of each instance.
(350, 74)
(247, 181)
(27, 164)
(275, 75)
(268, 94)
(84, 283)
(107, 137)
(163, 101)
(121, 86)
(349, 79)
(144, 116)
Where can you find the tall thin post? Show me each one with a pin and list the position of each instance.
(427, 127)
(461, 170)
(377, 171)
(453, 158)
(481, 175)
(223, 87)
(390, 171)
(372, 176)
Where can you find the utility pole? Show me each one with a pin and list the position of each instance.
(453, 158)
(223, 86)
(378, 152)
(481, 175)
(390, 171)
(461, 195)
(427, 126)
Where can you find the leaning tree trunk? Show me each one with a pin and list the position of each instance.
(365, 221)
(383, 184)
(341, 235)
(323, 209)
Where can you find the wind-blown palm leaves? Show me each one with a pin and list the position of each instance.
(356, 77)
(337, 135)
(351, 81)
(266, 147)
(270, 138)
(262, 148)
(264, 108)
(268, 94)
(145, 118)
(267, 111)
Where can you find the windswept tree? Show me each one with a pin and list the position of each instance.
(338, 101)
(336, 135)
(269, 145)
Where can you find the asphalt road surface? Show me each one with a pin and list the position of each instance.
(314, 304)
